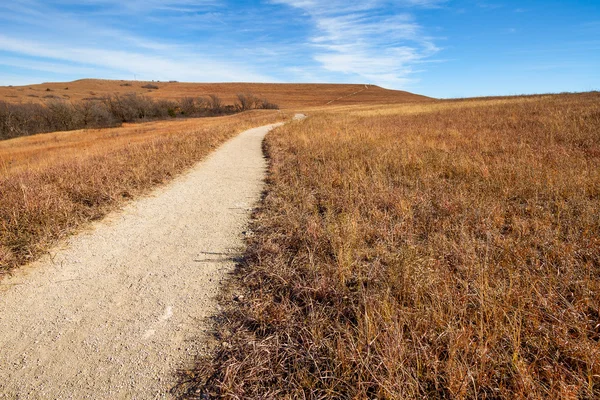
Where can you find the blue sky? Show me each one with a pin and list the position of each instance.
(433, 47)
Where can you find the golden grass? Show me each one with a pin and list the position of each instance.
(438, 251)
(285, 95)
(50, 184)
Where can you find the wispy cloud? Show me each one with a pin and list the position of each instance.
(369, 40)
(126, 63)
(78, 43)
(392, 43)
(143, 6)
(217, 40)
(51, 67)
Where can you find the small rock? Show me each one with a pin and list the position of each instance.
(238, 297)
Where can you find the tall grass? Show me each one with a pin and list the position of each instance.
(445, 254)
(53, 183)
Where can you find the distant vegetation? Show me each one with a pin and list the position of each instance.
(101, 112)
(443, 250)
(284, 95)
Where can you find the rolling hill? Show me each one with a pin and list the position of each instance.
(286, 95)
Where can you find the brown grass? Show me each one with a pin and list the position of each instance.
(50, 184)
(406, 252)
(284, 95)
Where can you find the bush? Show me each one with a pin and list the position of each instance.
(248, 101)
(149, 86)
(215, 104)
(187, 106)
(92, 114)
(60, 116)
(20, 119)
(266, 105)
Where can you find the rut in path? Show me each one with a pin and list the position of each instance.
(118, 309)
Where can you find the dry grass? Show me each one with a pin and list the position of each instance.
(405, 252)
(284, 95)
(50, 184)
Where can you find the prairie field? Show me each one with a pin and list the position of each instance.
(405, 247)
(443, 250)
(53, 183)
(285, 95)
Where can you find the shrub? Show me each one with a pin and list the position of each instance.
(215, 104)
(92, 114)
(266, 105)
(149, 86)
(20, 119)
(187, 106)
(59, 116)
(246, 101)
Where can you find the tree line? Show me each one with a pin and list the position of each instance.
(59, 115)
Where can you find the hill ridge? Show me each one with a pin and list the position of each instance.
(286, 95)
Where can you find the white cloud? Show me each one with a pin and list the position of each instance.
(373, 41)
(52, 39)
(144, 6)
(178, 66)
(370, 40)
(53, 67)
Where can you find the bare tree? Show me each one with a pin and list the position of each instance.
(246, 101)
(215, 103)
(187, 106)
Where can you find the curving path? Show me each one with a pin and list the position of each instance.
(119, 308)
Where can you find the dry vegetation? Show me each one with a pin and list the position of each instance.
(50, 184)
(422, 251)
(284, 95)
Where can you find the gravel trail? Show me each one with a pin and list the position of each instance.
(114, 311)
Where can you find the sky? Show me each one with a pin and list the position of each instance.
(439, 48)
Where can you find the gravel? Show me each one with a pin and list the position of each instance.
(116, 310)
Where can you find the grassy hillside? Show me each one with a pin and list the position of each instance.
(448, 250)
(285, 95)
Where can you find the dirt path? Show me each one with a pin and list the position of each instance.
(349, 95)
(118, 309)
